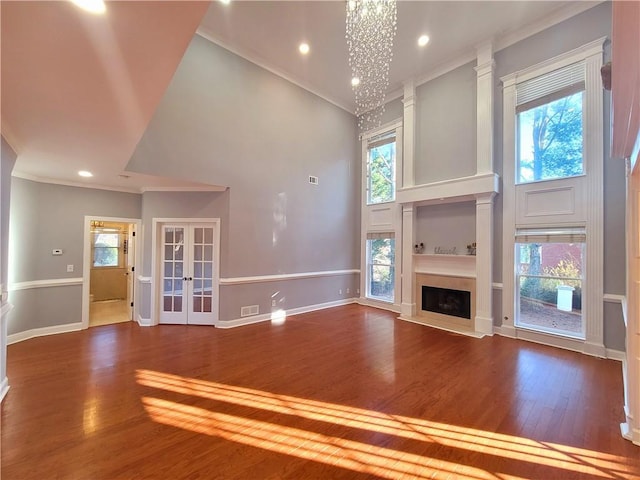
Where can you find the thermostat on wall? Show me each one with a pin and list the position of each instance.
(56, 251)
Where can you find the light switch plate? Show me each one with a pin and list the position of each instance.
(69, 268)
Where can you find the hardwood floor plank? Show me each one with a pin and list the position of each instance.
(349, 392)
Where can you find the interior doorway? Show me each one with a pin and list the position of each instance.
(109, 271)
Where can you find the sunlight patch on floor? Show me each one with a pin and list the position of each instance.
(354, 455)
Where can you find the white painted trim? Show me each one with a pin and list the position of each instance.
(5, 309)
(260, 62)
(613, 298)
(198, 188)
(4, 388)
(285, 276)
(449, 191)
(239, 322)
(143, 322)
(43, 331)
(142, 279)
(572, 56)
(370, 302)
(616, 355)
(52, 282)
(426, 323)
(70, 183)
(113, 188)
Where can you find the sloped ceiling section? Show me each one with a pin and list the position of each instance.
(78, 90)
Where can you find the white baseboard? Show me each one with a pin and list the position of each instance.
(239, 322)
(144, 322)
(615, 354)
(43, 331)
(391, 307)
(4, 388)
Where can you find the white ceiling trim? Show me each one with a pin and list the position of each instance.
(260, 62)
(137, 190)
(203, 188)
(69, 183)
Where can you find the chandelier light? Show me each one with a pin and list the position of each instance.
(371, 28)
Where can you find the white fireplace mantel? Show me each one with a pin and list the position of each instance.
(450, 191)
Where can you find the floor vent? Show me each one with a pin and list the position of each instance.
(249, 310)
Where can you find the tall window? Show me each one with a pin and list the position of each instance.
(381, 253)
(381, 168)
(550, 125)
(106, 247)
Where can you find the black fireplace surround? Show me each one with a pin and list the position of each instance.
(456, 303)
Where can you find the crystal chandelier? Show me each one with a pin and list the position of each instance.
(371, 27)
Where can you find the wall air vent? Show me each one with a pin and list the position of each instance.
(249, 310)
(313, 180)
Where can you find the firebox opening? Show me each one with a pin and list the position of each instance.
(446, 302)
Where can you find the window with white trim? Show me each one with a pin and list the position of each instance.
(381, 168)
(549, 111)
(381, 253)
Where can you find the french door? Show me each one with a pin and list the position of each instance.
(189, 274)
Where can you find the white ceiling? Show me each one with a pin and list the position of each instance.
(79, 90)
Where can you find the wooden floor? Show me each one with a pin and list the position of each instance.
(343, 393)
(107, 312)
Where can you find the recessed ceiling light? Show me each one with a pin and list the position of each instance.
(226, 2)
(304, 48)
(423, 40)
(355, 81)
(84, 173)
(93, 6)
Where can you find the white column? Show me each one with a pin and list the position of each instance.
(484, 264)
(593, 310)
(484, 109)
(408, 307)
(409, 122)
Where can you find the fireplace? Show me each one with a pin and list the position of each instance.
(447, 301)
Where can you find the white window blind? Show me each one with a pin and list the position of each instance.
(551, 235)
(383, 139)
(550, 86)
(380, 235)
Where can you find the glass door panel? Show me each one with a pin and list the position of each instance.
(174, 285)
(202, 267)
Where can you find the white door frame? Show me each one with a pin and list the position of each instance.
(86, 261)
(156, 281)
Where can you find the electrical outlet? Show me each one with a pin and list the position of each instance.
(348, 290)
(358, 291)
(273, 303)
(340, 292)
(69, 268)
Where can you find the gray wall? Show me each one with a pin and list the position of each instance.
(45, 217)
(446, 226)
(446, 126)
(226, 121)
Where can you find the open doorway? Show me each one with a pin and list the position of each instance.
(110, 253)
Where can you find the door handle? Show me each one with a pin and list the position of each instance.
(190, 278)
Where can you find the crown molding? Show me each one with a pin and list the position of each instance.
(70, 183)
(203, 188)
